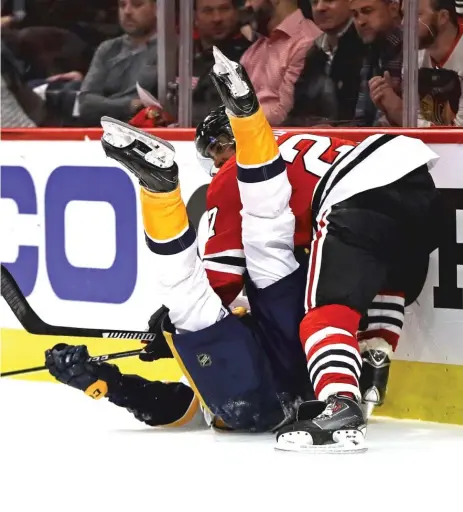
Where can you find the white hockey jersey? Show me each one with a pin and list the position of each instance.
(376, 162)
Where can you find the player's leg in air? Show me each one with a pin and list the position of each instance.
(274, 279)
(221, 355)
(260, 178)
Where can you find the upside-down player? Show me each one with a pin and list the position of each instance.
(248, 372)
(167, 404)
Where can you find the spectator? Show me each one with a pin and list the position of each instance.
(20, 106)
(110, 85)
(327, 90)
(12, 113)
(441, 45)
(48, 51)
(275, 61)
(217, 23)
(378, 25)
(440, 91)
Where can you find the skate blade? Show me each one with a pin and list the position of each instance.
(367, 409)
(346, 441)
(224, 66)
(120, 135)
(336, 448)
(115, 134)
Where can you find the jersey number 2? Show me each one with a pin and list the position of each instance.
(314, 155)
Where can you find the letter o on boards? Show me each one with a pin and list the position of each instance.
(113, 285)
(18, 185)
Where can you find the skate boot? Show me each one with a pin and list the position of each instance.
(334, 426)
(234, 86)
(149, 158)
(376, 355)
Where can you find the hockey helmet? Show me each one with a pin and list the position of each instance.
(214, 139)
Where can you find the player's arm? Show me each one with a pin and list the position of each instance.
(155, 403)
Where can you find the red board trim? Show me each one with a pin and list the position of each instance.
(429, 135)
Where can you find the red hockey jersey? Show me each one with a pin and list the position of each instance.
(308, 157)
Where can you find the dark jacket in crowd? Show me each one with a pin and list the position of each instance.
(110, 84)
(21, 107)
(385, 54)
(327, 89)
(205, 95)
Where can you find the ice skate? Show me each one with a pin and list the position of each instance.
(234, 86)
(334, 426)
(376, 356)
(149, 158)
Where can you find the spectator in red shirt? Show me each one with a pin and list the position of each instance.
(275, 61)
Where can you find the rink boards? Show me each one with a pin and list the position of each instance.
(72, 236)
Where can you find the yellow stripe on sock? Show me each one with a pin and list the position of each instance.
(164, 214)
(255, 141)
(170, 341)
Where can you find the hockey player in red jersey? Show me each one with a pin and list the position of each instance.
(308, 157)
(371, 215)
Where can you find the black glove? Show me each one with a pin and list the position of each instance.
(72, 365)
(157, 348)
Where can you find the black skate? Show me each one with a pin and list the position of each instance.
(234, 86)
(376, 356)
(149, 158)
(334, 426)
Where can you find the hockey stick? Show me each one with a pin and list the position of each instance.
(95, 359)
(35, 325)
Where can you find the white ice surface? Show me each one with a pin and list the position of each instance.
(61, 451)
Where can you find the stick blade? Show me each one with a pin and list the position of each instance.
(18, 304)
(35, 325)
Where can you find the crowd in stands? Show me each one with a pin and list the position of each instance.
(312, 62)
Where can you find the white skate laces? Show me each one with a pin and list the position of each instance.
(228, 68)
(377, 344)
